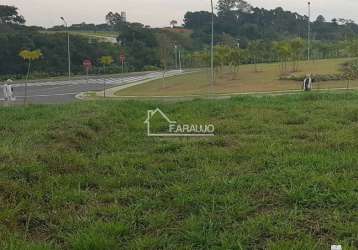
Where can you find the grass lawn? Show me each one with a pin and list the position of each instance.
(247, 81)
(281, 173)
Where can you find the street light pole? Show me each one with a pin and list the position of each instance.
(309, 32)
(180, 63)
(176, 56)
(68, 48)
(212, 43)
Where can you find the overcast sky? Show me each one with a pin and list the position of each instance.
(158, 13)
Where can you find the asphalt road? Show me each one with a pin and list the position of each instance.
(55, 92)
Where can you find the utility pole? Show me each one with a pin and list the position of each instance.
(68, 48)
(212, 43)
(176, 56)
(180, 64)
(309, 33)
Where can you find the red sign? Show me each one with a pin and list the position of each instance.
(122, 58)
(87, 64)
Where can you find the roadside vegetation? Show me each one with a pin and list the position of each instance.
(263, 36)
(279, 174)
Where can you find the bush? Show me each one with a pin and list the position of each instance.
(350, 70)
(151, 68)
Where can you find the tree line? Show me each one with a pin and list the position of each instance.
(245, 34)
(244, 22)
(288, 53)
(15, 37)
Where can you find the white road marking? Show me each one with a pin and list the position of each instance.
(114, 81)
(110, 81)
(64, 94)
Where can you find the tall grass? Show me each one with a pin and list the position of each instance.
(281, 173)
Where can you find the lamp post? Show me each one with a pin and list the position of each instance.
(180, 62)
(176, 56)
(68, 48)
(309, 33)
(212, 43)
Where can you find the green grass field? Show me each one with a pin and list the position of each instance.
(266, 80)
(281, 173)
(92, 34)
(89, 33)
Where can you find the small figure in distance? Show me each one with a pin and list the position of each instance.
(307, 83)
(10, 90)
(5, 88)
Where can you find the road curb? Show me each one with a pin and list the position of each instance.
(229, 95)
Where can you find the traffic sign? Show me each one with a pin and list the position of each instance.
(87, 64)
(122, 57)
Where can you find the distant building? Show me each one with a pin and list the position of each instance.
(124, 16)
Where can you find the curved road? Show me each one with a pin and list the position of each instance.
(51, 92)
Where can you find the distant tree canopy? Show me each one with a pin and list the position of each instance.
(173, 23)
(140, 44)
(226, 7)
(320, 19)
(246, 34)
(113, 18)
(53, 47)
(10, 15)
(244, 22)
(198, 20)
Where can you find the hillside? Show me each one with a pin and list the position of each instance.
(279, 174)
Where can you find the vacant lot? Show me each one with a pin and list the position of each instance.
(281, 173)
(267, 79)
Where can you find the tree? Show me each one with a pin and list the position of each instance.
(201, 58)
(320, 19)
(284, 51)
(141, 44)
(10, 15)
(165, 47)
(105, 61)
(173, 23)
(29, 56)
(221, 55)
(234, 58)
(200, 20)
(255, 51)
(227, 40)
(296, 46)
(200, 23)
(323, 49)
(225, 6)
(350, 71)
(113, 18)
(352, 48)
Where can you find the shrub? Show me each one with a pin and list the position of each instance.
(350, 70)
(151, 68)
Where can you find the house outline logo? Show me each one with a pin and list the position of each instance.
(172, 132)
